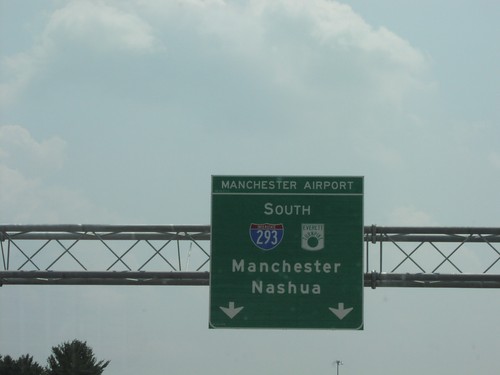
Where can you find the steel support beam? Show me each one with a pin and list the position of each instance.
(431, 280)
(371, 280)
(102, 278)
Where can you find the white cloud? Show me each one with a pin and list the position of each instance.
(13, 186)
(317, 28)
(99, 25)
(17, 71)
(410, 216)
(27, 191)
(333, 22)
(257, 31)
(81, 24)
(19, 149)
(314, 65)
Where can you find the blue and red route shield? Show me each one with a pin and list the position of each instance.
(266, 236)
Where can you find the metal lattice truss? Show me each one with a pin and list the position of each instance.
(462, 257)
(180, 255)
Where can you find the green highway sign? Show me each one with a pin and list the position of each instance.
(286, 252)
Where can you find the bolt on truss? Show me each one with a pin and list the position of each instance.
(459, 257)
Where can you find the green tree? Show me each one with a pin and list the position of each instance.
(24, 365)
(74, 358)
(27, 366)
(7, 365)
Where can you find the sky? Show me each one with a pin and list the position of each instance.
(119, 112)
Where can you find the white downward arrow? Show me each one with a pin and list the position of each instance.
(231, 311)
(341, 312)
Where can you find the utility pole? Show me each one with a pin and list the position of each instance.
(338, 363)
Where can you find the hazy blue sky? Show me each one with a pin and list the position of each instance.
(120, 111)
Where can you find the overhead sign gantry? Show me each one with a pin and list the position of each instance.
(286, 252)
(96, 254)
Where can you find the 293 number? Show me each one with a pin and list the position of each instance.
(266, 237)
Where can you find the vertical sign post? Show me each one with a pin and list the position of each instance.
(286, 252)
